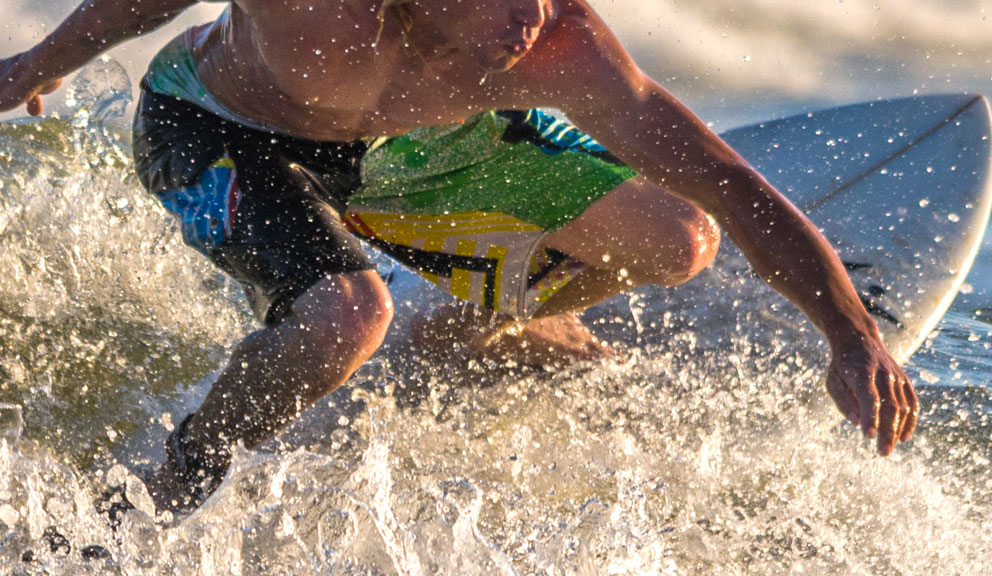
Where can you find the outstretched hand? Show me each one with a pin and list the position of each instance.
(872, 391)
(18, 85)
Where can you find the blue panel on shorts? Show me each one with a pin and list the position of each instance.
(205, 209)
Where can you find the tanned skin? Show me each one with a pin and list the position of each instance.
(334, 70)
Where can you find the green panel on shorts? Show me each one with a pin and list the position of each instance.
(470, 167)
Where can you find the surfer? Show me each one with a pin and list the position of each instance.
(284, 130)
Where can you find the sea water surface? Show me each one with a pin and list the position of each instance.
(704, 450)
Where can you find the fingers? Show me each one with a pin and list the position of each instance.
(868, 408)
(34, 106)
(900, 408)
(843, 397)
(875, 394)
(890, 412)
(913, 403)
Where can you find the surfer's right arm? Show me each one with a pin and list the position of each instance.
(95, 26)
(601, 89)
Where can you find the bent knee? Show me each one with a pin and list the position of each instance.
(692, 247)
(704, 245)
(346, 313)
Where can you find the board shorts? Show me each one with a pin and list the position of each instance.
(467, 205)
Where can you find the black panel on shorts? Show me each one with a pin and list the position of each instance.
(286, 233)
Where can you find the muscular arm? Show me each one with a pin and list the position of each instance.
(95, 26)
(601, 89)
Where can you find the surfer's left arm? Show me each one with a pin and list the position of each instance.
(95, 26)
(603, 92)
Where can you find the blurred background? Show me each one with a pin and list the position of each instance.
(700, 454)
(733, 61)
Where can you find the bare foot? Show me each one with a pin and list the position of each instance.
(484, 335)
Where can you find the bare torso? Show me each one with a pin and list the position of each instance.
(317, 71)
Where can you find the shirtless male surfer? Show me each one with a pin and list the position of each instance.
(287, 128)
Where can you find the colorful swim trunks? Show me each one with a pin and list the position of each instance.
(467, 205)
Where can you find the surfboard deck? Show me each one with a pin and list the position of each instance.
(902, 190)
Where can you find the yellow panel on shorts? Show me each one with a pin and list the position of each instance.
(461, 280)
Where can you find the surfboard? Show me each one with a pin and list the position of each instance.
(902, 190)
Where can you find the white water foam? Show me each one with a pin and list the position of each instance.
(695, 455)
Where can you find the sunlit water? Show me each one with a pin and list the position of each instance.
(704, 450)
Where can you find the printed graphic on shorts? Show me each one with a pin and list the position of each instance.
(473, 167)
(172, 72)
(552, 135)
(206, 209)
(484, 258)
(550, 271)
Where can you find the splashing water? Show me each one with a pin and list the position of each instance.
(98, 301)
(700, 452)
